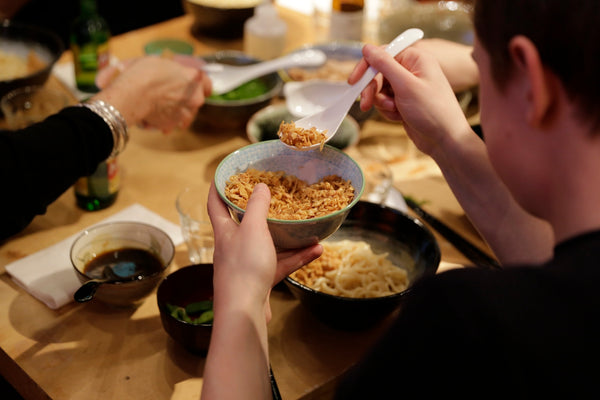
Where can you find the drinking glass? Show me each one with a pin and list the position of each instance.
(195, 224)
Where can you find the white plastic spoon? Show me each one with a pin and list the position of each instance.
(304, 98)
(228, 77)
(330, 118)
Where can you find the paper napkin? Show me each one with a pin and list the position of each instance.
(48, 275)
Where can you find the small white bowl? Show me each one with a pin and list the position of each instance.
(309, 166)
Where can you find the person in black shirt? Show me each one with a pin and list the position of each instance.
(40, 162)
(526, 331)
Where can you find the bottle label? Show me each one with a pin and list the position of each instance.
(104, 182)
(346, 25)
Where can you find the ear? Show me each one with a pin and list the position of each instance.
(539, 82)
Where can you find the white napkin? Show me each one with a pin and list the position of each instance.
(48, 275)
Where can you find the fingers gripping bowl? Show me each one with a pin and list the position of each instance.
(309, 166)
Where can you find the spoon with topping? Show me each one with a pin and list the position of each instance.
(313, 131)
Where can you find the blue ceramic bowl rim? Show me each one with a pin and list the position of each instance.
(357, 195)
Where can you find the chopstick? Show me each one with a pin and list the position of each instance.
(274, 387)
(478, 257)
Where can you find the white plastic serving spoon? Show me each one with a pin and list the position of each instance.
(304, 98)
(331, 117)
(228, 77)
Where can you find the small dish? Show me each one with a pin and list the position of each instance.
(264, 125)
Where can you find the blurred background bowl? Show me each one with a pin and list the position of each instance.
(448, 20)
(264, 125)
(113, 236)
(309, 166)
(222, 19)
(342, 56)
(27, 55)
(222, 113)
(182, 287)
(409, 244)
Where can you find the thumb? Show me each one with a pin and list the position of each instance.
(257, 209)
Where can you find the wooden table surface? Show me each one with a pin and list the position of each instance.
(89, 351)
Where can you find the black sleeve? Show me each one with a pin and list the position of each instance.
(39, 163)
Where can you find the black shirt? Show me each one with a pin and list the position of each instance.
(522, 332)
(39, 163)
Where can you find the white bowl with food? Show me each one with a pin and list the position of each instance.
(327, 184)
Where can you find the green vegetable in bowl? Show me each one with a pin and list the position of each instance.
(248, 90)
(197, 313)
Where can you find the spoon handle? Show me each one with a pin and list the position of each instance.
(401, 42)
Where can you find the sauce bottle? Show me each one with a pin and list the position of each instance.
(264, 33)
(89, 43)
(346, 20)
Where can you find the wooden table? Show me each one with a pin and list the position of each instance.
(89, 351)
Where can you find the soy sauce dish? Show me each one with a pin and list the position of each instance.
(133, 256)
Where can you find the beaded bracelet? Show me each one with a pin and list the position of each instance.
(115, 121)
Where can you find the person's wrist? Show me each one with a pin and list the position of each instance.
(115, 121)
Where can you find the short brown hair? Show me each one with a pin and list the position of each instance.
(566, 34)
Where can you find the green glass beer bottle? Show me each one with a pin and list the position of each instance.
(100, 189)
(89, 43)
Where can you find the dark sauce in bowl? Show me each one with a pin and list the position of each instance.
(124, 262)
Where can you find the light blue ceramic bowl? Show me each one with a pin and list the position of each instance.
(309, 166)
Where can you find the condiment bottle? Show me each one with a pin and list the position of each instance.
(264, 33)
(89, 43)
(100, 189)
(346, 20)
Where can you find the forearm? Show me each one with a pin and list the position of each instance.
(514, 235)
(237, 365)
(40, 162)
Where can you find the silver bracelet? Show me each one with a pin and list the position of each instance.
(115, 121)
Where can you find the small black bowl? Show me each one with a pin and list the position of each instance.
(386, 230)
(182, 287)
(21, 39)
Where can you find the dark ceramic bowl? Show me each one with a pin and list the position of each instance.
(219, 19)
(25, 41)
(182, 287)
(409, 244)
(234, 114)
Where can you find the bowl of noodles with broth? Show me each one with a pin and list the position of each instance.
(27, 55)
(366, 268)
(312, 192)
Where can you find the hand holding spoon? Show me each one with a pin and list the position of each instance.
(330, 118)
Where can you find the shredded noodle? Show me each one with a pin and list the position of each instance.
(291, 197)
(350, 268)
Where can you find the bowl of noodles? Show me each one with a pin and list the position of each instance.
(366, 268)
(312, 192)
(27, 55)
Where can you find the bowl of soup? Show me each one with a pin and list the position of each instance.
(367, 267)
(27, 55)
(233, 109)
(119, 251)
